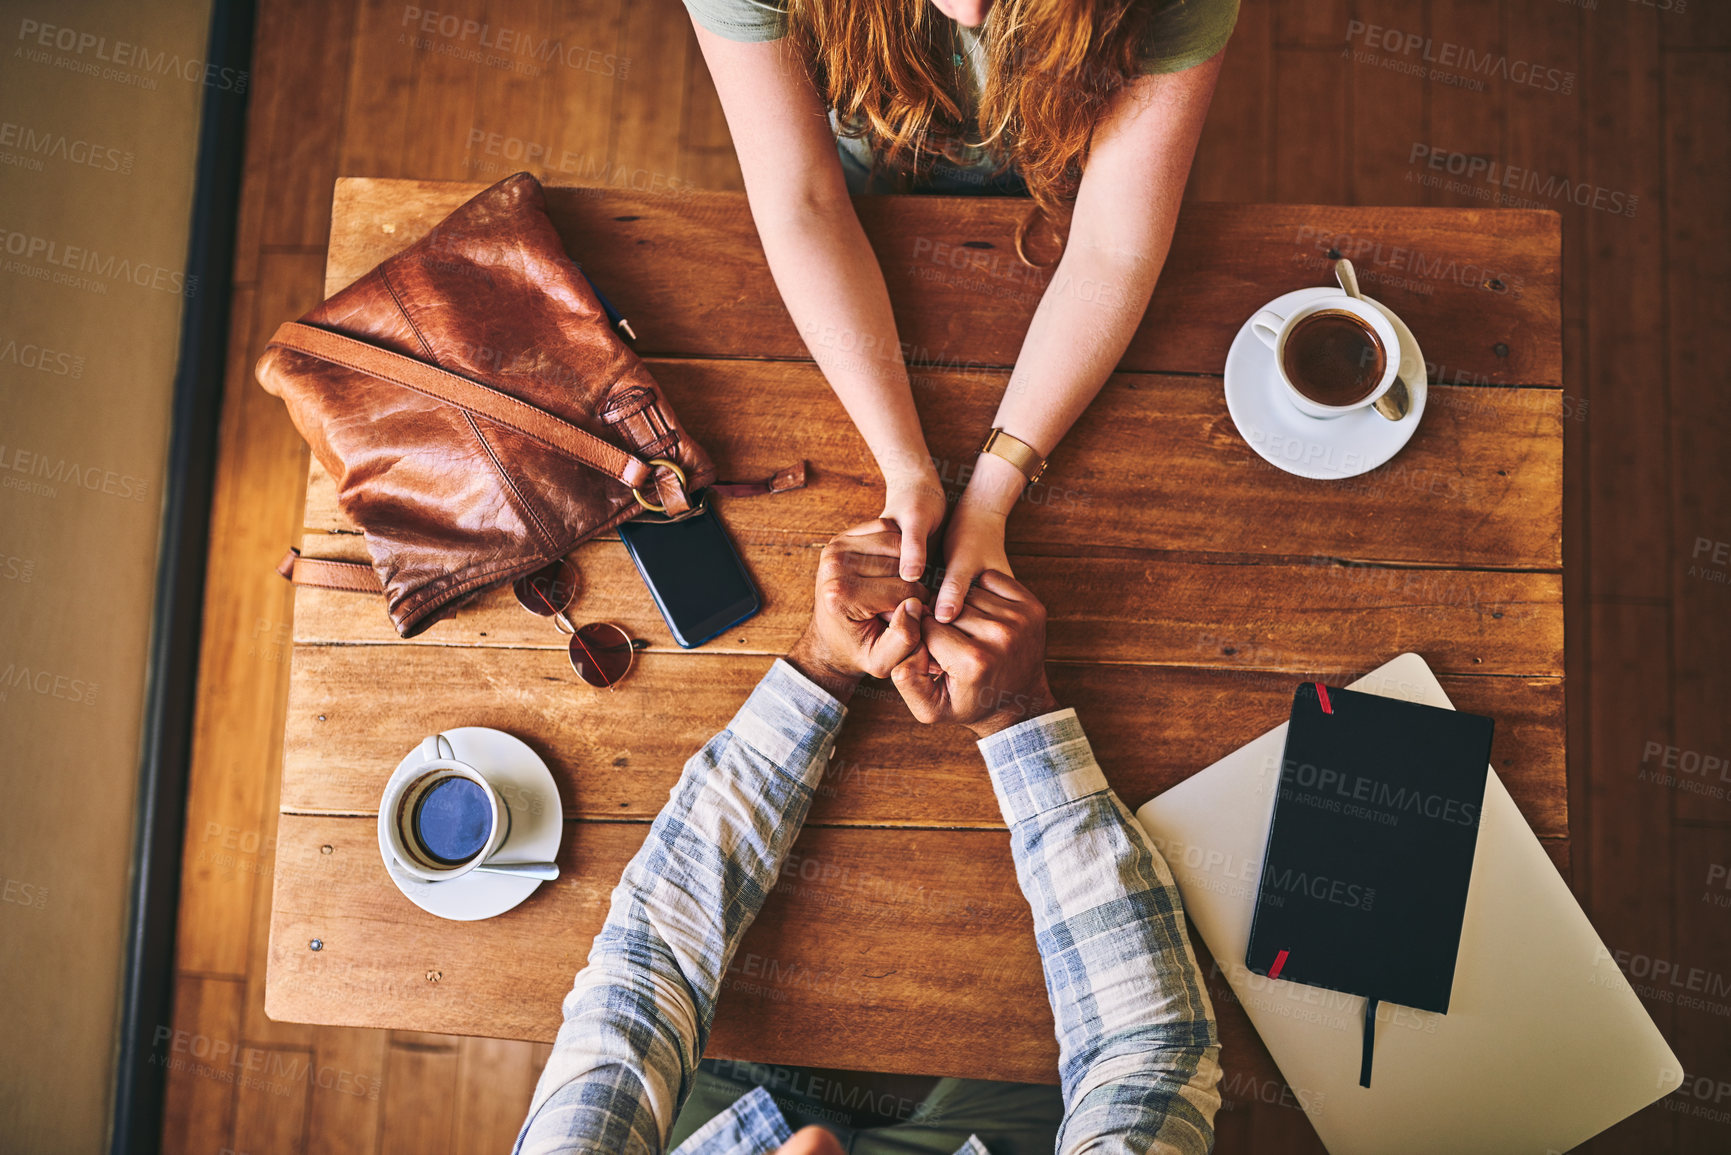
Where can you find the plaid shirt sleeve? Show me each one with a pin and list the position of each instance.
(1138, 1052)
(639, 1013)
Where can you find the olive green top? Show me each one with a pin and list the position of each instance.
(1181, 34)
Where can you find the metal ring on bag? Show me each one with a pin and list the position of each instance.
(650, 505)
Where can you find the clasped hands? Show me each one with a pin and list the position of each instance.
(985, 670)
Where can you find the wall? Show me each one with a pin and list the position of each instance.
(99, 114)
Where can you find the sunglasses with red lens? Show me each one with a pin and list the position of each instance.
(601, 653)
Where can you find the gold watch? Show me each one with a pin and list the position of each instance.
(1017, 452)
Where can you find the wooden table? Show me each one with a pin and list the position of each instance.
(1189, 585)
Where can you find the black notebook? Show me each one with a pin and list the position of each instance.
(1370, 850)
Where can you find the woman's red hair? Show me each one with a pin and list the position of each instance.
(888, 68)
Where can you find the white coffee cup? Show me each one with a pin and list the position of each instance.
(1274, 329)
(398, 808)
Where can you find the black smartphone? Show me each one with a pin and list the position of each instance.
(695, 575)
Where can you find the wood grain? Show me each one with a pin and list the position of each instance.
(885, 964)
(1321, 24)
(915, 966)
(261, 868)
(1626, 448)
(198, 1108)
(1691, 27)
(344, 1118)
(375, 114)
(419, 1103)
(615, 759)
(495, 1081)
(300, 134)
(1703, 899)
(1698, 340)
(223, 808)
(1478, 485)
(1629, 700)
(1542, 132)
(655, 37)
(1310, 161)
(963, 299)
(1299, 618)
(1388, 118)
(1626, 826)
(1466, 115)
(707, 159)
(1234, 159)
(245, 644)
(1697, 95)
(524, 109)
(443, 97)
(270, 1105)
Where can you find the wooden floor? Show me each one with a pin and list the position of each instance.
(1624, 130)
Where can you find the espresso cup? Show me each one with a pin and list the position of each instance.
(1331, 369)
(443, 818)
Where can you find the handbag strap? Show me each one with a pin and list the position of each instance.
(782, 480)
(360, 577)
(329, 575)
(470, 396)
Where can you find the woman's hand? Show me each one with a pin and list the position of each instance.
(975, 542)
(974, 545)
(915, 502)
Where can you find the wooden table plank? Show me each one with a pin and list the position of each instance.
(615, 757)
(690, 273)
(1155, 462)
(1158, 611)
(889, 970)
(919, 966)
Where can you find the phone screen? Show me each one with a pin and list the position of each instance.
(698, 581)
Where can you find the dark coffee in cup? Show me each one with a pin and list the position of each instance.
(1333, 358)
(452, 820)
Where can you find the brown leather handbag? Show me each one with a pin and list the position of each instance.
(477, 410)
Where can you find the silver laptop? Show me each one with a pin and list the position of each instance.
(1544, 1044)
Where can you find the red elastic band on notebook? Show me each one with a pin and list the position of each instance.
(1322, 694)
(1279, 961)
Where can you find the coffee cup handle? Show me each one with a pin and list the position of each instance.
(437, 748)
(1267, 325)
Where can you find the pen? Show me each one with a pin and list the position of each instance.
(614, 317)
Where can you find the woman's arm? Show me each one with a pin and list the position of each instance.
(1125, 212)
(826, 271)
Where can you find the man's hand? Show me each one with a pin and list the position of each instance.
(866, 618)
(813, 1140)
(987, 670)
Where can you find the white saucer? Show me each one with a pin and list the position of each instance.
(1309, 446)
(537, 823)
